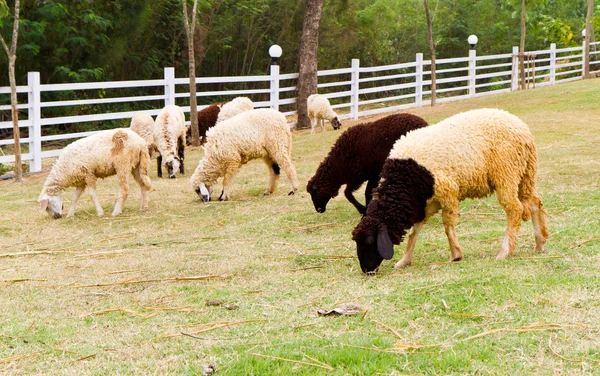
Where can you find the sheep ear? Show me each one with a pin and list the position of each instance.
(384, 243)
(43, 205)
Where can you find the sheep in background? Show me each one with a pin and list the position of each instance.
(169, 136)
(358, 156)
(261, 133)
(207, 118)
(234, 107)
(469, 155)
(143, 125)
(106, 153)
(320, 110)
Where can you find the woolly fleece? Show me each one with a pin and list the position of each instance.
(261, 133)
(234, 107)
(169, 136)
(358, 156)
(319, 109)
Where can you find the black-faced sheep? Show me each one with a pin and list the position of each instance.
(320, 110)
(358, 156)
(106, 153)
(469, 155)
(169, 136)
(261, 133)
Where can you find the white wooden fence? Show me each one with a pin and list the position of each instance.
(357, 91)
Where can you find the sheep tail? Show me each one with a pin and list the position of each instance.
(118, 140)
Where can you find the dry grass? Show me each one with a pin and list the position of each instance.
(128, 295)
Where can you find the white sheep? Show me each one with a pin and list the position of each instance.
(106, 153)
(169, 137)
(469, 155)
(235, 106)
(261, 133)
(320, 110)
(143, 125)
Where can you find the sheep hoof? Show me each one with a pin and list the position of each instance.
(456, 259)
(223, 198)
(116, 213)
(70, 215)
(267, 193)
(100, 214)
(402, 264)
(291, 193)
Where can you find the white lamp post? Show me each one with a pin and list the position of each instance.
(583, 33)
(275, 52)
(472, 40)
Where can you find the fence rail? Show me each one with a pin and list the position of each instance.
(358, 91)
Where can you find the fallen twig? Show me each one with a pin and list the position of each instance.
(208, 327)
(321, 365)
(394, 331)
(172, 279)
(19, 357)
(584, 242)
(562, 357)
(469, 315)
(310, 227)
(105, 311)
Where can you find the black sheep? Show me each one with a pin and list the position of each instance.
(358, 156)
(207, 118)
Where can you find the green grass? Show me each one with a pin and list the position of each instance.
(280, 261)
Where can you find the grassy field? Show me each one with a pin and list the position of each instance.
(92, 295)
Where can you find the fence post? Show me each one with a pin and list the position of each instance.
(354, 87)
(169, 86)
(419, 80)
(552, 63)
(583, 60)
(472, 71)
(35, 116)
(515, 69)
(274, 87)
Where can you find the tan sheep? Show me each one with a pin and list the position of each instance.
(106, 153)
(234, 107)
(319, 110)
(469, 155)
(169, 136)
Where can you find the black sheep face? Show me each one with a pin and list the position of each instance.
(319, 200)
(373, 244)
(335, 123)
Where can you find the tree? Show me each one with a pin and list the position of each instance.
(432, 51)
(189, 32)
(522, 44)
(588, 36)
(12, 57)
(307, 77)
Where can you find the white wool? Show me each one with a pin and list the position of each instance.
(234, 107)
(320, 108)
(168, 128)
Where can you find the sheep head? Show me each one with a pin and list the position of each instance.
(204, 192)
(322, 187)
(335, 123)
(172, 167)
(373, 243)
(53, 205)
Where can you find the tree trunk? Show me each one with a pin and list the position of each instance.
(12, 57)
(588, 37)
(432, 51)
(522, 44)
(189, 32)
(307, 79)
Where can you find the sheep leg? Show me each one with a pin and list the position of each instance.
(91, 184)
(159, 165)
(273, 175)
(450, 219)
(181, 154)
(76, 196)
(348, 193)
(322, 124)
(145, 186)
(410, 246)
(540, 228)
(313, 122)
(124, 185)
(371, 184)
(229, 174)
(290, 171)
(508, 198)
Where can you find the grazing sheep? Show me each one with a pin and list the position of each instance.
(469, 155)
(143, 125)
(169, 135)
(234, 107)
(207, 118)
(106, 153)
(358, 156)
(261, 133)
(320, 110)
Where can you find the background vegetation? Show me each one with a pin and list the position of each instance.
(92, 40)
(96, 296)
